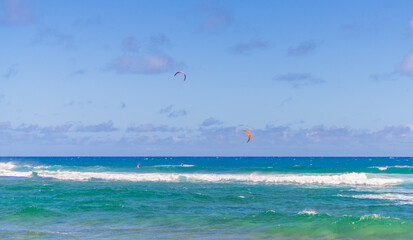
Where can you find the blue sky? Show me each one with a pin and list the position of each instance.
(307, 78)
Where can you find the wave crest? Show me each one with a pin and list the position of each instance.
(307, 212)
(399, 198)
(326, 179)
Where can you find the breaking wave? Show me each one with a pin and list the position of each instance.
(8, 170)
(394, 169)
(396, 197)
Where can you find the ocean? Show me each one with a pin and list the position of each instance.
(206, 198)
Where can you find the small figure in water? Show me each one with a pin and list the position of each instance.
(137, 166)
(182, 164)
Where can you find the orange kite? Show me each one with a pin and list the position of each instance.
(249, 134)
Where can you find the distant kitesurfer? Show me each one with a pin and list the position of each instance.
(137, 166)
(182, 164)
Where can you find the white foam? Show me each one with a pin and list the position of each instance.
(6, 169)
(373, 216)
(6, 166)
(8, 173)
(64, 233)
(340, 179)
(308, 212)
(42, 167)
(387, 167)
(187, 165)
(167, 165)
(400, 198)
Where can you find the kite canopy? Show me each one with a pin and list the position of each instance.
(248, 133)
(181, 73)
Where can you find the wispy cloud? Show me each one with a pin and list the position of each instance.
(67, 133)
(152, 128)
(210, 122)
(11, 72)
(30, 128)
(149, 63)
(64, 128)
(177, 113)
(171, 113)
(215, 18)
(89, 21)
(80, 104)
(79, 72)
(411, 25)
(166, 109)
(406, 67)
(159, 40)
(385, 77)
(53, 37)
(35, 134)
(302, 49)
(17, 12)
(318, 136)
(285, 102)
(101, 127)
(298, 79)
(219, 135)
(216, 139)
(243, 48)
(331, 135)
(5, 125)
(129, 44)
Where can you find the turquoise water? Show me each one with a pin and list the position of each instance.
(207, 198)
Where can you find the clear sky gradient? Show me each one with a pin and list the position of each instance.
(307, 78)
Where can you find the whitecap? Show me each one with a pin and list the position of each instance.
(387, 167)
(6, 169)
(338, 179)
(399, 198)
(307, 212)
(7, 165)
